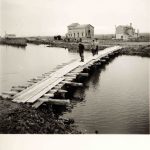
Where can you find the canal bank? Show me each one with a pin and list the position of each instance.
(143, 51)
(21, 128)
(72, 46)
(16, 41)
(22, 119)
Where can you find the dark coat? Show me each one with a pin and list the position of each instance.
(81, 48)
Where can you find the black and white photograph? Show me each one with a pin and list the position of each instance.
(74, 67)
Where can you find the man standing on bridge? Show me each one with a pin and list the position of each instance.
(96, 47)
(93, 48)
(81, 51)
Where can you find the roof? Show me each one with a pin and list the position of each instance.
(83, 26)
(77, 25)
(73, 24)
(124, 26)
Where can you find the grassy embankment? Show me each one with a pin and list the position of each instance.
(21, 119)
(14, 41)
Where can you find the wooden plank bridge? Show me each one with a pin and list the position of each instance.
(43, 89)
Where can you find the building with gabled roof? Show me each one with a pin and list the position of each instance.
(76, 31)
(126, 32)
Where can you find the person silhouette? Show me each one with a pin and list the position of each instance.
(81, 51)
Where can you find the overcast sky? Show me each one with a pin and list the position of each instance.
(51, 17)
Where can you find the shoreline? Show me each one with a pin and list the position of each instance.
(19, 42)
(24, 119)
(20, 118)
(143, 51)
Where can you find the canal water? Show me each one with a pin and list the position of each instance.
(115, 98)
(18, 65)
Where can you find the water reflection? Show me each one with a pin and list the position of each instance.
(15, 46)
(18, 65)
(117, 99)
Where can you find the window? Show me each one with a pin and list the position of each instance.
(74, 34)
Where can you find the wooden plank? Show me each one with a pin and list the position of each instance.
(32, 81)
(55, 101)
(72, 74)
(37, 104)
(56, 74)
(49, 95)
(22, 86)
(59, 86)
(4, 96)
(51, 101)
(10, 93)
(84, 74)
(17, 89)
(34, 92)
(53, 90)
(70, 78)
(73, 83)
(62, 91)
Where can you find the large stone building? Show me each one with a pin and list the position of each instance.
(126, 32)
(76, 31)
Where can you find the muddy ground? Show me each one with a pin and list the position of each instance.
(23, 119)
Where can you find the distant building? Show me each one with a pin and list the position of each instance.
(10, 36)
(76, 31)
(126, 32)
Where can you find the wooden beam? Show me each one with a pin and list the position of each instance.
(37, 91)
(7, 96)
(17, 89)
(10, 93)
(84, 74)
(30, 81)
(51, 101)
(59, 86)
(73, 83)
(72, 74)
(37, 104)
(49, 95)
(56, 101)
(22, 86)
(62, 91)
(102, 60)
(53, 90)
(71, 78)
